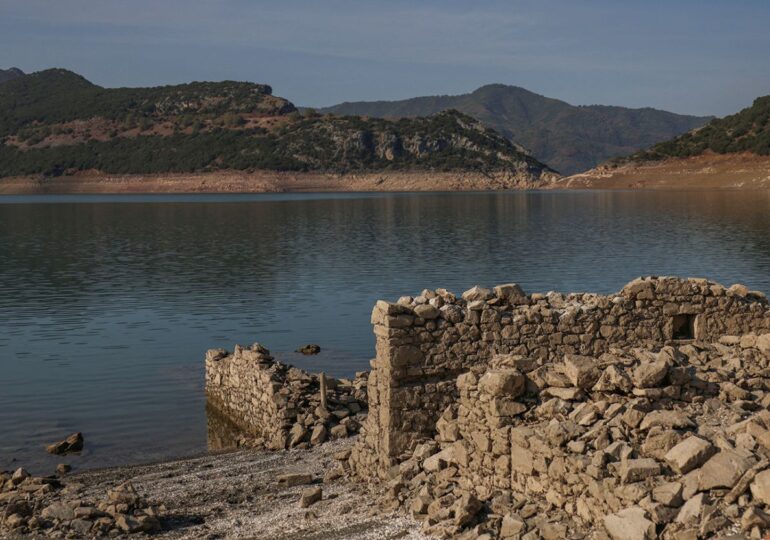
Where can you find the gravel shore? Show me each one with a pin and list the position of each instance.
(238, 496)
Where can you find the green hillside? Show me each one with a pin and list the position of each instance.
(566, 137)
(57, 96)
(746, 131)
(56, 122)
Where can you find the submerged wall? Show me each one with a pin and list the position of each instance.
(279, 405)
(423, 344)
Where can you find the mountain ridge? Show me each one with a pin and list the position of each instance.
(730, 152)
(569, 138)
(10, 74)
(748, 130)
(56, 122)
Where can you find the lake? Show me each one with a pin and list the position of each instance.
(109, 303)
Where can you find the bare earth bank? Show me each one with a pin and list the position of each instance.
(708, 171)
(264, 182)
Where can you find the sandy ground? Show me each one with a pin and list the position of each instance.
(709, 171)
(259, 182)
(237, 496)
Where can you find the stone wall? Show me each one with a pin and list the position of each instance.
(635, 444)
(280, 406)
(424, 343)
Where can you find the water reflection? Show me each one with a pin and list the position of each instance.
(222, 435)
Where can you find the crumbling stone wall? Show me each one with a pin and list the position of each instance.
(423, 344)
(278, 405)
(635, 444)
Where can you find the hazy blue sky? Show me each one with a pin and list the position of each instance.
(689, 56)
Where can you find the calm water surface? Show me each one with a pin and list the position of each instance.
(108, 304)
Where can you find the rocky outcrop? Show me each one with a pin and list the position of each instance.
(281, 406)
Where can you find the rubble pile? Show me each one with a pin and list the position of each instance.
(280, 406)
(33, 506)
(637, 443)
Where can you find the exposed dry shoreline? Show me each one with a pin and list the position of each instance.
(707, 171)
(263, 182)
(238, 496)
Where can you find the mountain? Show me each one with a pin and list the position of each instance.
(568, 138)
(56, 122)
(729, 152)
(746, 131)
(10, 74)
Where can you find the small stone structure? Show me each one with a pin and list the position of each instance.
(638, 415)
(501, 415)
(424, 343)
(280, 406)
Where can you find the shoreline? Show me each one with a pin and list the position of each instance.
(237, 495)
(727, 172)
(266, 182)
(736, 172)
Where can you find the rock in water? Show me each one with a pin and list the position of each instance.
(309, 349)
(73, 443)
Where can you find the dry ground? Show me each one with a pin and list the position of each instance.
(255, 182)
(709, 171)
(236, 496)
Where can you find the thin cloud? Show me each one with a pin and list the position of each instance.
(640, 53)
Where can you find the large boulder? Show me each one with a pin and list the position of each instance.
(426, 311)
(477, 293)
(760, 488)
(763, 343)
(723, 470)
(310, 496)
(666, 419)
(689, 454)
(650, 374)
(503, 382)
(630, 524)
(635, 470)
(581, 370)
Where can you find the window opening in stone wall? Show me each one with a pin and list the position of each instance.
(683, 327)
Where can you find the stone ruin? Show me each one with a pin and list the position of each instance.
(278, 406)
(630, 416)
(502, 415)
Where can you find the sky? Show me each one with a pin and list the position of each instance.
(705, 57)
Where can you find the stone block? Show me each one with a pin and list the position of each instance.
(689, 454)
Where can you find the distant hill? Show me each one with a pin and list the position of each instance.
(56, 122)
(731, 152)
(10, 74)
(746, 131)
(568, 138)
